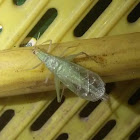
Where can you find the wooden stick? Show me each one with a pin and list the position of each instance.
(114, 58)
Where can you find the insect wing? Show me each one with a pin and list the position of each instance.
(84, 83)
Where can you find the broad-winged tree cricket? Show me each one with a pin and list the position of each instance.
(83, 82)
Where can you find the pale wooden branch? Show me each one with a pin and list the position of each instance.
(115, 58)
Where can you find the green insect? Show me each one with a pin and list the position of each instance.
(83, 82)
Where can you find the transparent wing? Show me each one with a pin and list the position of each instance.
(83, 82)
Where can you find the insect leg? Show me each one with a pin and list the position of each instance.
(62, 93)
(35, 66)
(48, 77)
(57, 86)
(71, 57)
(65, 50)
(50, 44)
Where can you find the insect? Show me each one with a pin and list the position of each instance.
(83, 82)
